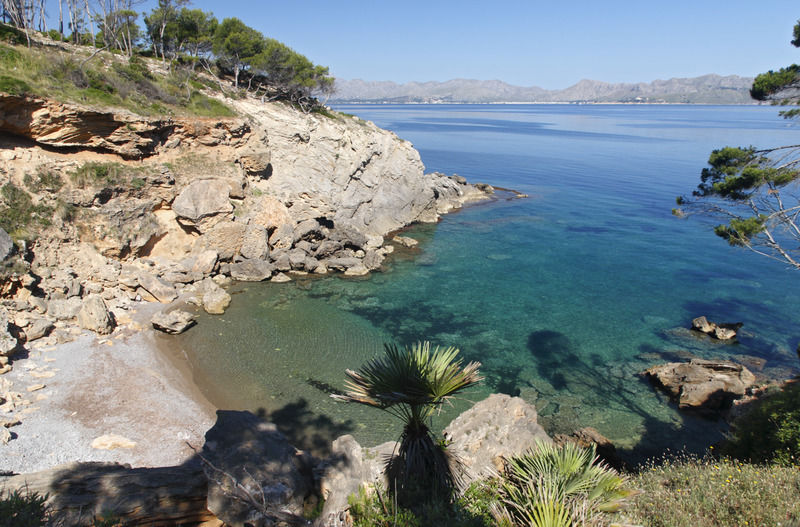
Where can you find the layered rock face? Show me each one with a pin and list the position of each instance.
(259, 197)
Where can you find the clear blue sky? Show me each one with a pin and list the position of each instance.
(550, 44)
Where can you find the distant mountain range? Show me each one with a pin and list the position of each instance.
(708, 89)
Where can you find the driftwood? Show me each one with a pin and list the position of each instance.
(159, 497)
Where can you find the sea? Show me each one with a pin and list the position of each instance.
(564, 296)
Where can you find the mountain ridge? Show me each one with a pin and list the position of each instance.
(705, 89)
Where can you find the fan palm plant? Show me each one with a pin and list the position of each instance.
(411, 383)
(552, 486)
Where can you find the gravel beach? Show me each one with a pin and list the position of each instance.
(117, 398)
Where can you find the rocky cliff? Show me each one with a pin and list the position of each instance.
(125, 208)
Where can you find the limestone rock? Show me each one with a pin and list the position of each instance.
(719, 331)
(251, 270)
(256, 164)
(225, 238)
(64, 308)
(140, 496)
(283, 237)
(280, 278)
(173, 322)
(260, 457)
(94, 315)
(405, 241)
(215, 299)
(270, 213)
(40, 327)
(205, 262)
(6, 245)
(255, 243)
(203, 202)
(7, 342)
(497, 427)
(162, 291)
(702, 385)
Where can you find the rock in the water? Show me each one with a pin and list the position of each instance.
(253, 451)
(162, 291)
(173, 322)
(280, 278)
(251, 270)
(203, 203)
(702, 385)
(495, 428)
(405, 241)
(215, 299)
(94, 315)
(6, 245)
(718, 331)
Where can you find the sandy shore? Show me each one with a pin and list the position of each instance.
(122, 385)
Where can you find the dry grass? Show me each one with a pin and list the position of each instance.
(684, 491)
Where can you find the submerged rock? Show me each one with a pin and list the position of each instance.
(719, 331)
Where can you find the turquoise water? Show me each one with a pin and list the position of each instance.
(563, 297)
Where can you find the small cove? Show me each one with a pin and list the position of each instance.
(564, 296)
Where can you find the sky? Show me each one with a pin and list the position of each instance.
(551, 44)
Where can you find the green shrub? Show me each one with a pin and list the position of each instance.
(205, 106)
(689, 492)
(11, 34)
(770, 431)
(23, 510)
(378, 508)
(13, 86)
(43, 180)
(20, 217)
(553, 486)
(94, 174)
(9, 57)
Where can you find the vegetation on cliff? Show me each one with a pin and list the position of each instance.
(186, 40)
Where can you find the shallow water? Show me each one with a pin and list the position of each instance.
(564, 297)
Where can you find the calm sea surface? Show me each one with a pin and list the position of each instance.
(564, 297)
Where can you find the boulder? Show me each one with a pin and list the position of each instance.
(270, 213)
(348, 236)
(348, 467)
(162, 291)
(282, 237)
(225, 238)
(373, 259)
(173, 322)
(215, 299)
(64, 308)
(495, 428)
(205, 262)
(141, 496)
(342, 264)
(702, 385)
(38, 328)
(243, 447)
(328, 248)
(6, 245)
(306, 228)
(7, 341)
(725, 331)
(405, 241)
(255, 243)
(251, 270)
(203, 203)
(94, 315)
(256, 164)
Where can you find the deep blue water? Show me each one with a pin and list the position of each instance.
(563, 297)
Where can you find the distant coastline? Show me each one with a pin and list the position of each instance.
(707, 89)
